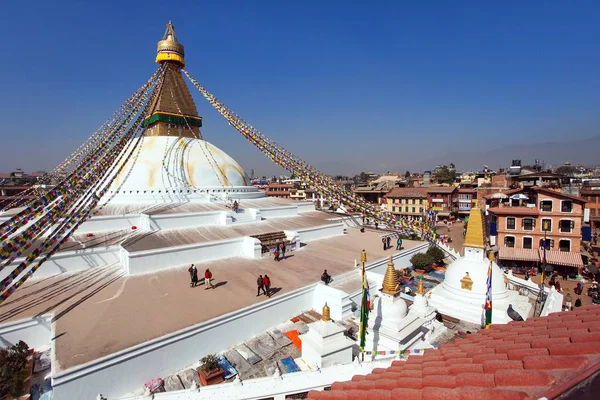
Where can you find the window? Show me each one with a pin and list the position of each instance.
(414, 201)
(528, 224)
(527, 243)
(550, 243)
(566, 206)
(393, 209)
(413, 210)
(406, 208)
(546, 225)
(420, 209)
(566, 225)
(564, 245)
(420, 201)
(511, 223)
(509, 241)
(546, 205)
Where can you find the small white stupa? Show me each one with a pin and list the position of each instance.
(391, 326)
(463, 293)
(325, 344)
(422, 309)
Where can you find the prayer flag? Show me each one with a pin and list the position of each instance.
(364, 310)
(488, 298)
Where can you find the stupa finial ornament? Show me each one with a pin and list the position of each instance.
(390, 280)
(466, 282)
(475, 236)
(326, 313)
(420, 289)
(169, 49)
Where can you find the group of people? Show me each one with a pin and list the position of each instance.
(387, 242)
(263, 283)
(194, 277)
(279, 252)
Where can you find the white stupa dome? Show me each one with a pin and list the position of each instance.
(180, 166)
(391, 311)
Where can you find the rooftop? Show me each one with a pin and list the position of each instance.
(441, 189)
(407, 192)
(100, 311)
(514, 210)
(540, 357)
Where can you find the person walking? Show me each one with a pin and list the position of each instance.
(267, 285)
(389, 242)
(193, 275)
(207, 279)
(278, 252)
(260, 285)
(283, 250)
(399, 243)
(384, 243)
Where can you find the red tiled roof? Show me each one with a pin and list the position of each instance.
(441, 189)
(567, 258)
(407, 192)
(514, 210)
(518, 254)
(521, 360)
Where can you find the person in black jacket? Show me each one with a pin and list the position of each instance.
(260, 285)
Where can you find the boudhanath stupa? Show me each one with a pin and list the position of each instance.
(114, 304)
(463, 292)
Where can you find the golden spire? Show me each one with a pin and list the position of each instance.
(475, 233)
(390, 280)
(420, 289)
(169, 49)
(326, 313)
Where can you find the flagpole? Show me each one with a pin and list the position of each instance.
(364, 309)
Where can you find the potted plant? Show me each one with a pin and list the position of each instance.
(210, 373)
(15, 370)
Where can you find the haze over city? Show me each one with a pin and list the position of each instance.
(349, 88)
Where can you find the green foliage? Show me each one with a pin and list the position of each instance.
(566, 170)
(12, 369)
(421, 260)
(445, 175)
(436, 254)
(407, 174)
(209, 363)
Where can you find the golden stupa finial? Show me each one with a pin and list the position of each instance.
(363, 256)
(491, 255)
(390, 280)
(169, 49)
(326, 313)
(475, 236)
(420, 289)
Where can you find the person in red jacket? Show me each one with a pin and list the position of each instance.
(207, 279)
(267, 285)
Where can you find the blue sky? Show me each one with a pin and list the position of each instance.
(346, 85)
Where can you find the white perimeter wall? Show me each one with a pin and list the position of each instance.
(127, 370)
(36, 332)
(275, 212)
(320, 232)
(142, 262)
(70, 261)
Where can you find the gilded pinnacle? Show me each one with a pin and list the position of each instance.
(390, 280)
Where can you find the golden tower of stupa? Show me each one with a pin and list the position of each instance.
(174, 111)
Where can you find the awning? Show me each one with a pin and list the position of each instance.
(443, 213)
(512, 253)
(566, 258)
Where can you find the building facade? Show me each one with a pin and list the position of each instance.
(592, 195)
(281, 190)
(407, 202)
(441, 199)
(466, 198)
(525, 220)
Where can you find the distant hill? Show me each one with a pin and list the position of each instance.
(584, 152)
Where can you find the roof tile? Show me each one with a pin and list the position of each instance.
(470, 379)
(491, 366)
(554, 362)
(435, 393)
(400, 393)
(435, 371)
(430, 364)
(459, 360)
(507, 377)
(481, 358)
(530, 338)
(506, 347)
(442, 381)
(585, 337)
(544, 343)
(478, 393)
(465, 368)
(518, 354)
(574, 349)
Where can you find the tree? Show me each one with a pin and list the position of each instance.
(407, 174)
(567, 170)
(364, 177)
(12, 370)
(445, 175)
(421, 260)
(436, 254)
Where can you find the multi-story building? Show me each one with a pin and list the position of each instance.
(407, 202)
(527, 218)
(282, 190)
(466, 198)
(592, 195)
(441, 199)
